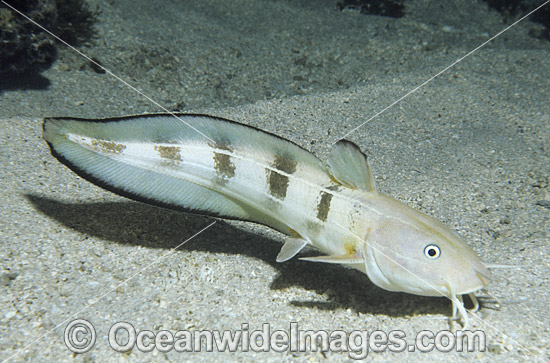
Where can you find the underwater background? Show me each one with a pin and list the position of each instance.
(471, 148)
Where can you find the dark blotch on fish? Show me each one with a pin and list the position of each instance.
(324, 206)
(278, 183)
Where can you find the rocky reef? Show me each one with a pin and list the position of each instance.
(27, 48)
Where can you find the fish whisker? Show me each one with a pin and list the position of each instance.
(496, 265)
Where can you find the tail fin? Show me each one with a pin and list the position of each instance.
(160, 160)
(94, 149)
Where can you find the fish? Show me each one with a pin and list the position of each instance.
(213, 166)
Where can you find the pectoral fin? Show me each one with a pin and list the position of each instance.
(341, 259)
(291, 247)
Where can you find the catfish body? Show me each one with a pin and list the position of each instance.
(208, 165)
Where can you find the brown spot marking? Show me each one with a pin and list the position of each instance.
(324, 206)
(278, 183)
(225, 169)
(223, 144)
(351, 249)
(293, 233)
(108, 146)
(170, 153)
(285, 163)
(334, 180)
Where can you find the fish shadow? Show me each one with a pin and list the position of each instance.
(138, 224)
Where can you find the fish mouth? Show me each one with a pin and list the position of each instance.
(481, 278)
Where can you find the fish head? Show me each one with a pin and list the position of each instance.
(411, 252)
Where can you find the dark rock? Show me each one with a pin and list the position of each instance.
(391, 8)
(513, 9)
(25, 47)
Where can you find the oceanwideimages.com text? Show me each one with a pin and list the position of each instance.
(80, 337)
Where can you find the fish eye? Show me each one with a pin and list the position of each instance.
(432, 251)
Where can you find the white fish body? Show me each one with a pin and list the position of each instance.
(234, 171)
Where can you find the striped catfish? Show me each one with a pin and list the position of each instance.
(213, 166)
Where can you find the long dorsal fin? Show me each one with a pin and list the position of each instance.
(350, 167)
(342, 259)
(291, 247)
